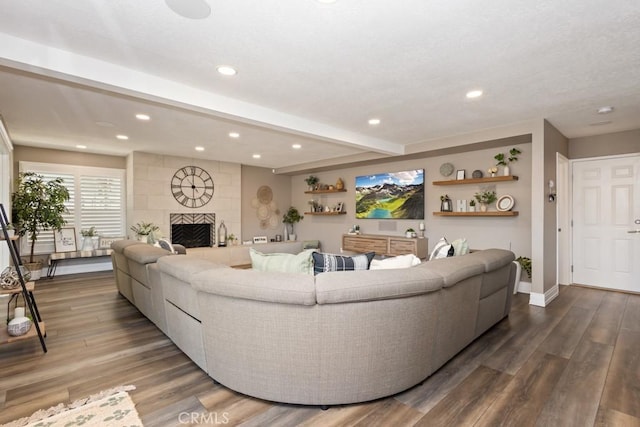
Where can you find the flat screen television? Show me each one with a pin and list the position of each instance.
(392, 195)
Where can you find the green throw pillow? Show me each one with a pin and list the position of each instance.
(284, 263)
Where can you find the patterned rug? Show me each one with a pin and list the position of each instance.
(112, 407)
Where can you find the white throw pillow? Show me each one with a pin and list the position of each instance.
(400, 261)
(442, 250)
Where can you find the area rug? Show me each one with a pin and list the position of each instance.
(112, 407)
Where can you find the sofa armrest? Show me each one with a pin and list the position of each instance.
(369, 285)
(285, 288)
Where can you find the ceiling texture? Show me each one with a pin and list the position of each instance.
(75, 72)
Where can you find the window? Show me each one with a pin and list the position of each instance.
(96, 200)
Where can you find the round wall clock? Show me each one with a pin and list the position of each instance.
(192, 186)
(446, 169)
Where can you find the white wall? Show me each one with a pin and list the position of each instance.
(149, 195)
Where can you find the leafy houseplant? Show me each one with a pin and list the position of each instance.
(504, 161)
(525, 263)
(87, 238)
(485, 198)
(410, 232)
(91, 232)
(37, 205)
(311, 181)
(291, 217)
(144, 229)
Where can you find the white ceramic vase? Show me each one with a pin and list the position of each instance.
(20, 324)
(507, 171)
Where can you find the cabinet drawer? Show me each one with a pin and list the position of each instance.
(401, 247)
(364, 244)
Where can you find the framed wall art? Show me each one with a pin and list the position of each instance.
(65, 240)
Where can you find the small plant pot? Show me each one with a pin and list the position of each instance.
(483, 207)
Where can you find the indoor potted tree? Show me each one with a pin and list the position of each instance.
(37, 205)
(291, 217)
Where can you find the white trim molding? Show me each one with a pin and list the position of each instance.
(543, 300)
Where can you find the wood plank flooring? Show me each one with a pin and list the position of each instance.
(574, 363)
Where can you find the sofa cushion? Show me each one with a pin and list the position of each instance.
(144, 254)
(454, 269)
(400, 261)
(492, 259)
(352, 286)
(323, 262)
(442, 249)
(119, 245)
(282, 262)
(184, 266)
(276, 287)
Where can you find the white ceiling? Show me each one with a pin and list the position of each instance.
(310, 73)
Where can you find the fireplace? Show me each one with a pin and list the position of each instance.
(193, 230)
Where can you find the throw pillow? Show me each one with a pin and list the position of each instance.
(328, 262)
(400, 261)
(460, 247)
(284, 263)
(442, 250)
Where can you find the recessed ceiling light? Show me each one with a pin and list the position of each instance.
(105, 124)
(474, 94)
(80, 146)
(199, 148)
(143, 117)
(192, 9)
(374, 122)
(234, 134)
(326, 1)
(256, 156)
(605, 110)
(227, 70)
(604, 122)
(122, 137)
(296, 146)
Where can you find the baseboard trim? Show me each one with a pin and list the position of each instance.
(543, 300)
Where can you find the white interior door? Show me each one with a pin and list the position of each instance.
(563, 202)
(606, 215)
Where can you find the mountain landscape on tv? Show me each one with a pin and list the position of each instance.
(390, 195)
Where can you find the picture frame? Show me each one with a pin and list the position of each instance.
(106, 241)
(65, 240)
(260, 239)
(339, 206)
(460, 174)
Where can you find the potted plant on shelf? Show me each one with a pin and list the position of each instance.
(504, 161)
(485, 198)
(144, 231)
(87, 238)
(311, 182)
(37, 205)
(410, 233)
(472, 205)
(290, 218)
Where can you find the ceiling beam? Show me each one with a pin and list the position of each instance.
(67, 66)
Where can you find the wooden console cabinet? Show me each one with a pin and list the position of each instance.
(385, 245)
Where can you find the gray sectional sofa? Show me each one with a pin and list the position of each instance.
(334, 338)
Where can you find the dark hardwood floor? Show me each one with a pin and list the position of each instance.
(574, 363)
